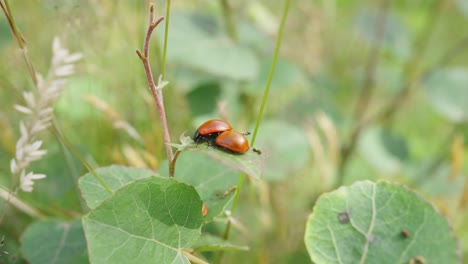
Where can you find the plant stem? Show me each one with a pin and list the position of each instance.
(19, 40)
(366, 91)
(173, 163)
(19, 204)
(193, 259)
(156, 91)
(262, 107)
(166, 36)
(229, 20)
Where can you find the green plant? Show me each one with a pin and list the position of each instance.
(326, 175)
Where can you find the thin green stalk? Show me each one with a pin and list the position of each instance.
(272, 70)
(19, 39)
(166, 35)
(262, 106)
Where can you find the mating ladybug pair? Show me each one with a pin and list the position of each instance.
(220, 133)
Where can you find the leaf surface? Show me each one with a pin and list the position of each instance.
(150, 220)
(378, 223)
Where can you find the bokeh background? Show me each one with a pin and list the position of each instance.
(362, 90)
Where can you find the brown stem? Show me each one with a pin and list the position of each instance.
(157, 94)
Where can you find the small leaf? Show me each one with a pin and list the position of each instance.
(250, 162)
(150, 220)
(54, 241)
(447, 90)
(208, 242)
(114, 176)
(378, 223)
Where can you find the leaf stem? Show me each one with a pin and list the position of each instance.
(193, 259)
(156, 91)
(173, 163)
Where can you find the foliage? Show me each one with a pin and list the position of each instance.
(370, 94)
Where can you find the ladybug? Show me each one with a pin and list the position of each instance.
(209, 130)
(233, 142)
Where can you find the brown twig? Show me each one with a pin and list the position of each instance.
(156, 90)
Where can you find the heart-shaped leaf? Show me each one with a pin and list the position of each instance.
(151, 220)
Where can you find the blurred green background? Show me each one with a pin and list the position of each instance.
(362, 90)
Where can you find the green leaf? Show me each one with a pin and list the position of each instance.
(383, 149)
(286, 146)
(208, 242)
(114, 176)
(378, 223)
(213, 181)
(54, 241)
(150, 220)
(447, 90)
(194, 43)
(251, 163)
